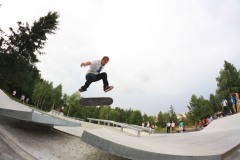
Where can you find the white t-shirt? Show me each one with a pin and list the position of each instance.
(95, 67)
(168, 124)
(224, 103)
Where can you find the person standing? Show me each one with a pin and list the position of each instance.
(173, 126)
(233, 101)
(94, 74)
(148, 124)
(22, 99)
(181, 126)
(168, 127)
(238, 105)
(14, 93)
(225, 107)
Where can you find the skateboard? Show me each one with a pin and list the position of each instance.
(96, 101)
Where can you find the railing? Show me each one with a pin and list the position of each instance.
(139, 129)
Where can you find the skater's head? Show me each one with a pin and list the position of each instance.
(104, 60)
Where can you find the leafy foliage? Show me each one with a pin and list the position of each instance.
(228, 81)
(46, 97)
(18, 53)
(199, 108)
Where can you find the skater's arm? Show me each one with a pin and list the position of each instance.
(85, 64)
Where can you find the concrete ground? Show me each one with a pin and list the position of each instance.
(47, 144)
(22, 138)
(109, 143)
(216, 142)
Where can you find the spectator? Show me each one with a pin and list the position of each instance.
(27, 100)
(22, 98)
(181, 126)
(210, 119)
(233, 101)
(207, 121)
(148, 124)
(203, 123)
(173, 126)
(168, 127)
(200, 124)
(225, 107)
(14, 93)
(238, 105)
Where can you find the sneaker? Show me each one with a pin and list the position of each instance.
(109, 88)
(82, 90)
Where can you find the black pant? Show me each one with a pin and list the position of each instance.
(168, 129)
(93, 78)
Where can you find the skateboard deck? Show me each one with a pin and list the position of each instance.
(96, 101)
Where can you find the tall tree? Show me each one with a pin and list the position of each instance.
(199, 108)
(228, 81)
(172, 114)
(18, 53)
(72, 105)
(105, 112)
(136, 118)
(161, 122)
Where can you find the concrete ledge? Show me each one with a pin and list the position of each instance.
(18, 111)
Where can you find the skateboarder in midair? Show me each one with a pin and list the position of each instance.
(94, 74)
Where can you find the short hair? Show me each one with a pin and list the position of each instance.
(105, 57)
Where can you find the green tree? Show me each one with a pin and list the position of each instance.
(115, 115)
(172, 114)
(122, 114)
(215, 103)
(160, 120)
(18, 53)
(199, 108)
(56, 97)
(166, 118)
(128, 113)
(136, 118)
(46, 97)
(228, 81)
(145, 117)
(105, 112)
(152, 120)
(72, 105)
(42, 94)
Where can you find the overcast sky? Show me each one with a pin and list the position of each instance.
(161, 51)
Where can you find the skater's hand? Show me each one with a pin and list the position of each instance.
(83, 64)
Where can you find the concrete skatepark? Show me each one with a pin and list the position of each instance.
(220, 140)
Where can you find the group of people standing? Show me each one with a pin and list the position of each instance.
(235, 105)
(171, 125)
(203, 123)
(22, 98)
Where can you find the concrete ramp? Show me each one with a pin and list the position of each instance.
(215, 142)
(17, 111)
